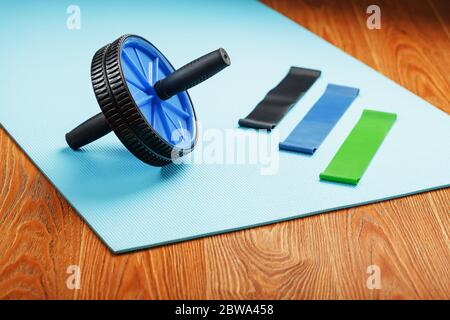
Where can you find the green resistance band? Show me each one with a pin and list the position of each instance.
(355, 154)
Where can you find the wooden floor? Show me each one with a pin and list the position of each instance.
(323, 256)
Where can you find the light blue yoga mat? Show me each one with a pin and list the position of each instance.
(45, 91)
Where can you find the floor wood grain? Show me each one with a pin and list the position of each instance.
(323, 256)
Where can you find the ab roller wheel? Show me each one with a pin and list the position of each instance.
(144, 100)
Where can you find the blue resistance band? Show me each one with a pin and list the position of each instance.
(320, 120)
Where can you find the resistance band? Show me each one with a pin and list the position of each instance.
(355, 154)
(280, 99)
(320, 120)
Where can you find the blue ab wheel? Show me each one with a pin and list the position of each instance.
(140, 119)
(143, 99)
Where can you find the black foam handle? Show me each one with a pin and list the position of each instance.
(192, 74)
(87, 132)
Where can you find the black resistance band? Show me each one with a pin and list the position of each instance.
(280, 99)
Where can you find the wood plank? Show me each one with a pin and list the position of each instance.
(323, 256)
(411, 48)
